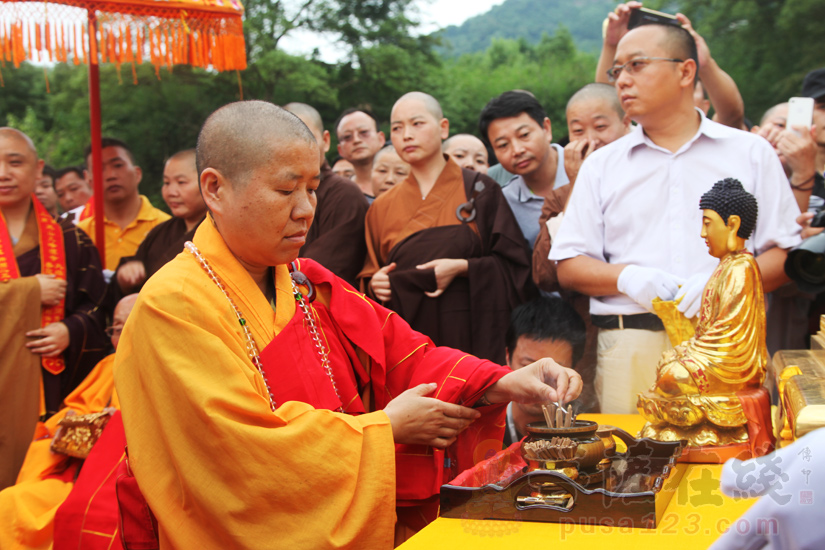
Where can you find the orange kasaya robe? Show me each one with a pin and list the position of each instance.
(219, 469)
(27, 509)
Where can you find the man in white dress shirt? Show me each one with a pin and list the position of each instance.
(631, 230)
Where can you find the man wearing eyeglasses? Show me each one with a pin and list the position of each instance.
(358, 141)
(631, 230)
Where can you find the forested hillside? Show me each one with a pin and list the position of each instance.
(528, 19)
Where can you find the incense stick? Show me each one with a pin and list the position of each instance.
(547, 417)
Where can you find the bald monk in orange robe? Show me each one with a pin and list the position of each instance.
(51, 289)
(443, 247)
(261, 406)
(27, 509)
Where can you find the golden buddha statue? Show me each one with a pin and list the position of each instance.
(708, 389)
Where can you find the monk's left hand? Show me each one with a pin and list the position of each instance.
(50, 341)
(446, 269)
(543, 381)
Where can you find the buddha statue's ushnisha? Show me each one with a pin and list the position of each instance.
(708, 389)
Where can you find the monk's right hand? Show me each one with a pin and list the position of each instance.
(380, 283)
(574, 154)
(130, 275)
(52, 289)
(420, 420)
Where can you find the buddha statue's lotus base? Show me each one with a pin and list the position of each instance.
(716, 427)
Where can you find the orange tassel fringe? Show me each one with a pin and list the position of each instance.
(196, 36)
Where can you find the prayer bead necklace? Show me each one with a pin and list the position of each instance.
(313, 332)
(251, 346)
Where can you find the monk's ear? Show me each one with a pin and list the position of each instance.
(445, 128)
(40, 164)
(213, 189)
(325, 142)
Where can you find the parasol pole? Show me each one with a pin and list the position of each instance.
(94, 119)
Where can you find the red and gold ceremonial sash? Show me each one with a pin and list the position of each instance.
(88, 210)
(52, 262)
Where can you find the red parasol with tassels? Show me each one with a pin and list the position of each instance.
(201, 33)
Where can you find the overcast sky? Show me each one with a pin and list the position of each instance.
(434, 14)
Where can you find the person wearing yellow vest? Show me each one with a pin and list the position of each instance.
(50, 291)
(128, 215)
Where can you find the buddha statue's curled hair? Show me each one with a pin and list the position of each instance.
(727, 197)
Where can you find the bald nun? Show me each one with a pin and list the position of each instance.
(443, 247)
(263, 398)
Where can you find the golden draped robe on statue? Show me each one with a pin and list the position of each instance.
(27, 509)
(728, 352)
(217, 467)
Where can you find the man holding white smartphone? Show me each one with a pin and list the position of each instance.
(814, 87)
(787, 126)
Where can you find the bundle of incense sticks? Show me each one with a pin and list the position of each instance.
(557, 417)
(557, 448)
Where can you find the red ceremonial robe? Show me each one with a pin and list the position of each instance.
(88, 518)
(370, 371)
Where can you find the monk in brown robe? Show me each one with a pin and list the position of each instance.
(183, 197)
(443, 247)
(50, 289)
(336, 238)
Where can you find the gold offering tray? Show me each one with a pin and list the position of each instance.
(799, 376)
(636, 488)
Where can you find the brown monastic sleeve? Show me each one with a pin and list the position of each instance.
(544, 270)
(338, 236)
(372, 262)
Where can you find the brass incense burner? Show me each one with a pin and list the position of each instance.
(581, 451)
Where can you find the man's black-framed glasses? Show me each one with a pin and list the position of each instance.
(635, 65)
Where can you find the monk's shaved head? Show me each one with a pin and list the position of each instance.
(430, 103)
(776, 109)
(122, 310)
(597, 90)
(124, 307)
(460, 137)
(186, 154)
(308, 114)
(13, 133)
(240, 137)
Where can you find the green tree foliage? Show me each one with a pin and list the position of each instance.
(552, 70)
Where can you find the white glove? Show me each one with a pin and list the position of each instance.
(791, 482)
(642, 284)
(691, 294)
